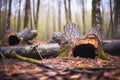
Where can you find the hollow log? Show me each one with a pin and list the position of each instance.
(14, 38)
(89, 44)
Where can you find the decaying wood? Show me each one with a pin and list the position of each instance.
(14, 38)
(33, 51)
(52, 50)
(72, 38)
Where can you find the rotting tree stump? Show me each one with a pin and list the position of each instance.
(86, 46)
(14, 38)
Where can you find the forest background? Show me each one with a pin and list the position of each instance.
(49, 16)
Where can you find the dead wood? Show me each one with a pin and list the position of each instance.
(32, 51)
(14, 38)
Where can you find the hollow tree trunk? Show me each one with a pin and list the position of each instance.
(83, 46)
(14, 38)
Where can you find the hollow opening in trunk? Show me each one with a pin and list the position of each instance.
(85, 51)
(13, 40)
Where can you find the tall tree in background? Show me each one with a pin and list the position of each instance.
(9, 15)
(27, 13)
(67, 11)
(116, 19)
(110, 29)
(96, 15)
(59, 15)
(19, 21)
(83, 16)
(54, 17)
(37, 14)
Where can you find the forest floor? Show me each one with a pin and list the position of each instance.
(61, 69)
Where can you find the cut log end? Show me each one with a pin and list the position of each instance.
(84, 51)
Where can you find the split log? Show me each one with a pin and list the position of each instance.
(14, 38)
(32, 51)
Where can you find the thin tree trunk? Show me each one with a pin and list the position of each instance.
(19, 20)
(37, 14)
(54, 17)
(83, 16)
(33, 12)
(47, 23)
(66, 12)
(27, 12)
(9, 15)
(59, 14)
(117, 19)
(110, 29)
(69, 10)
(31, 23)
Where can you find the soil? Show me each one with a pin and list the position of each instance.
(61, 69)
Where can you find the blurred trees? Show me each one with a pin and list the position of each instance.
(50, 16)
(116, 19)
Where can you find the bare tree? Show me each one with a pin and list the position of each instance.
(27, 13)
(9, 15)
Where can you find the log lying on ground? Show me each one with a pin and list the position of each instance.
(112, 47)
(14, 38)
(32, 51)
(52, 50)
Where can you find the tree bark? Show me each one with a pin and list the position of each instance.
(52, 50)
(37, 14)
(14, 38)
(33, 51)
(9, 15)
(116, 19)
(27, 13)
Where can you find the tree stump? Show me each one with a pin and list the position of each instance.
(86, 46)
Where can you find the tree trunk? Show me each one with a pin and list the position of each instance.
(116, 19)
(14, 38)
(83, 16)
(9, 15)
(33, 51)
(52, 50)
(19, 20)
(37, 14)
(96, 15)
(67, 11)
(27, 13)
(59, 15)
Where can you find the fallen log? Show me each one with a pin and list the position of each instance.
(32, 51)
(52, 50)
(14, 38)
